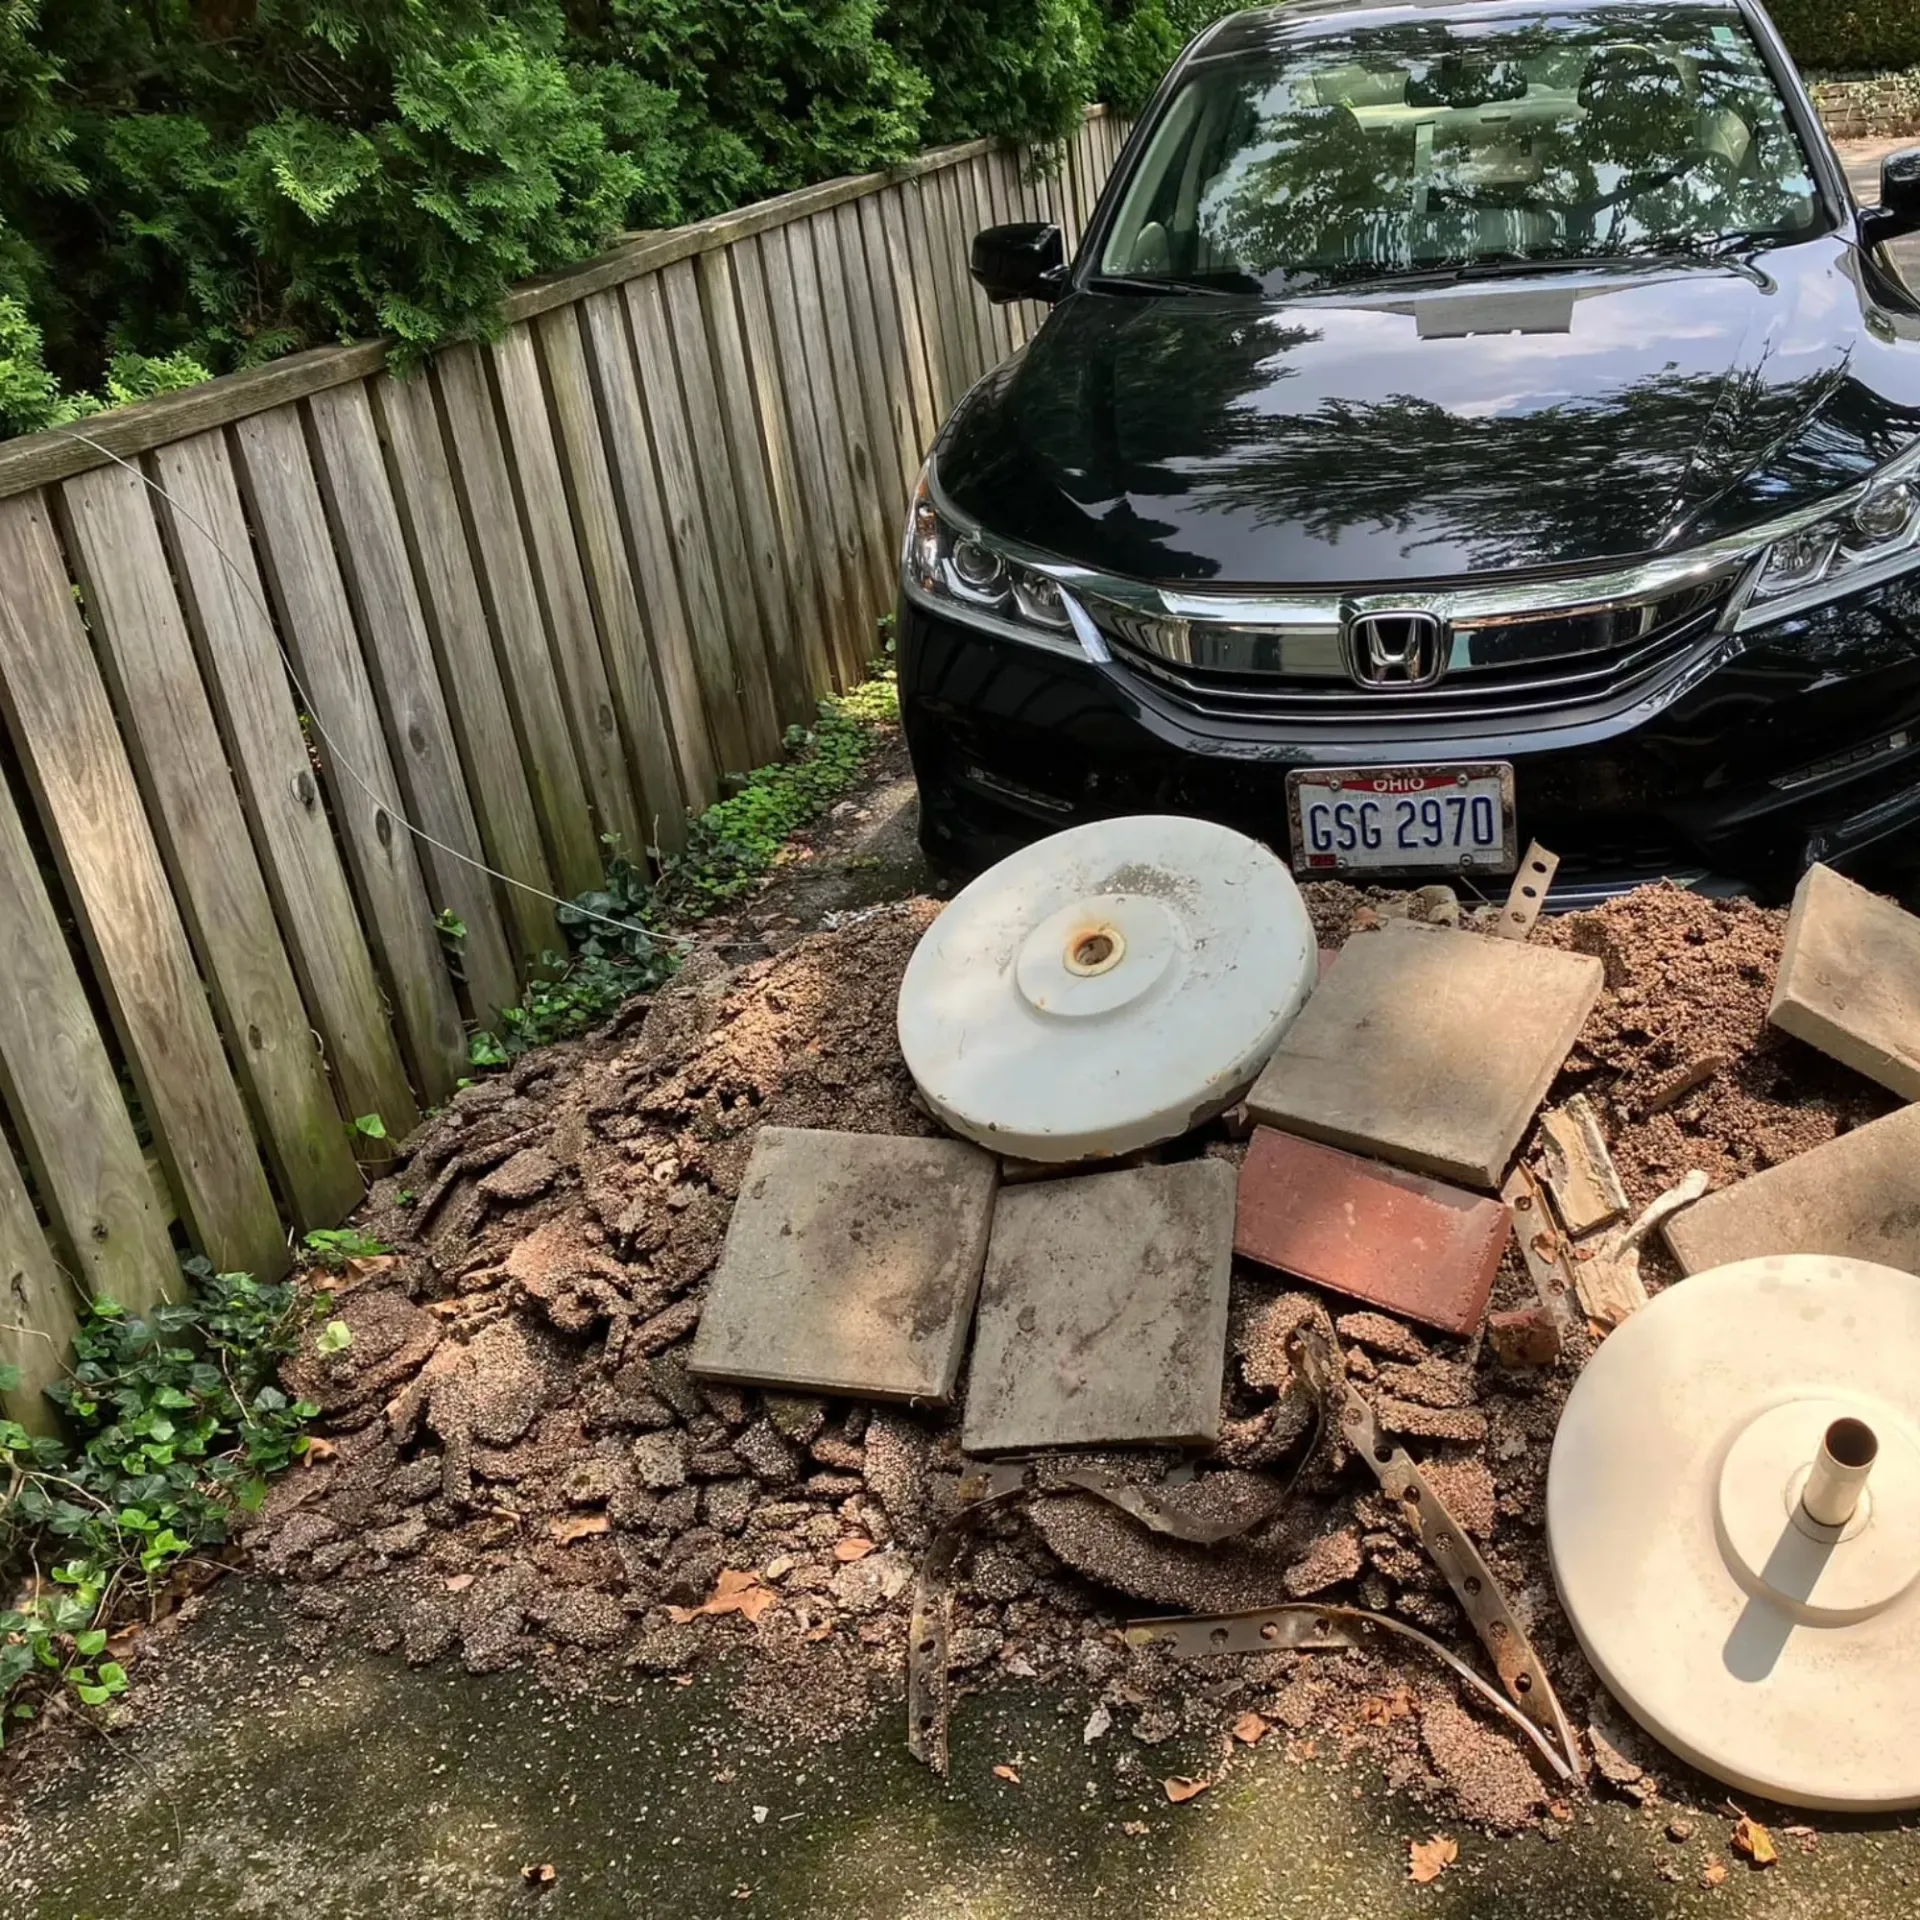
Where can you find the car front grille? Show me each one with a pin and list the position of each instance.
(1531, 668)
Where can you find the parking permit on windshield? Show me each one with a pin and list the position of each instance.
(1453, 819)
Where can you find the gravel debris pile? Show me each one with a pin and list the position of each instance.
(520, 1469)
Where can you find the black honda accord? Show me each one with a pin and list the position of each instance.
(1462, 422)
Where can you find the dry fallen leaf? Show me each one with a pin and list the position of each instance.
(1006, 1773)
(1427, 1860)
(566, 1532)
(316, 1451)
(1250, 1729)
(1752, 1839)
(541, 1876)
(1397, 1705)
(852, 1549)
(737, 1592)
(1180, 1788)
(459, 1582)
(1715, 1873)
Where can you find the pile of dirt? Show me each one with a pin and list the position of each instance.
(519, 1468)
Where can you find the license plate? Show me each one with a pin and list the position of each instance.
(1403, 819)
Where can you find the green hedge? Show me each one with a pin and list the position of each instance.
(1850, 36)
(189, 186)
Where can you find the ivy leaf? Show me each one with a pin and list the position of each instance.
(93, 1641)
(335, 1337)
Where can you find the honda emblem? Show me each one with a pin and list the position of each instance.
(1397, 649)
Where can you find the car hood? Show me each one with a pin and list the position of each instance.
(1538, 423)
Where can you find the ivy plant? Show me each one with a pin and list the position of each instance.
(174, 1422)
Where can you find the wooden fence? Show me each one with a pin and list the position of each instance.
(547, 590)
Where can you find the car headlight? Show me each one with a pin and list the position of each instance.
(1872, 535)
(964, 573)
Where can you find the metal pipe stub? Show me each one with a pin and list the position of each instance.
(1838, 1477)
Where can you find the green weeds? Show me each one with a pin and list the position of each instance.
(620, 934)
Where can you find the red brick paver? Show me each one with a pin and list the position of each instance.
(1419, 1249)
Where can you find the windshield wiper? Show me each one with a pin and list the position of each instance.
(1445, 273)
(1715, 249)
(1151, 283)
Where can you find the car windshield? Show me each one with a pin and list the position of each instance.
(1372, 151)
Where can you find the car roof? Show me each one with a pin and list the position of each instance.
(1263, 28)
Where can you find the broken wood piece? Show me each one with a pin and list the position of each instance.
(1696, 1074)
(1586, 1187)
(1548, 1262)
(1529, 893)
(1607, 1272)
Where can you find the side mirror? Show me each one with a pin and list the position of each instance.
(1899, 208)
(1026, 261)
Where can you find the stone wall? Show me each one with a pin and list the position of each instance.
(1870, 107)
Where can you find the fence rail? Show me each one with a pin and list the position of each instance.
(548, 589)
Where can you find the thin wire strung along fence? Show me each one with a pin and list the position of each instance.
(301, 666)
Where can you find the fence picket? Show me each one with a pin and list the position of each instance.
(239, 657)
(814, 670)
(818, 503)
(626, 649)
(144, 647)
(563, 588)
(399, 658)
(629, 445)
(529, 676)
(64, 733)
(902, 438)
(304, 576)
(38, 1312)
(60, 1087)
(720, 489)
(812, 347)
(687, 526)
(496, 781)
(872, 520)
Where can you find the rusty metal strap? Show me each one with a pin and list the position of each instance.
(1521, 1672)
(982, 1491)
(1299, 1626)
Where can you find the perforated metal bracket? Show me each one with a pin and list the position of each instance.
(1529, 894)
(1317, 1353)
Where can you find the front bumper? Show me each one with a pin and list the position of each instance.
(1783, 746)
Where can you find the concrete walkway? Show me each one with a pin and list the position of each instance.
(354, 1788)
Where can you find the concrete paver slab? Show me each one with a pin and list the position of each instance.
(1429, 1048)
(1397, 1240)
(1103, 1314)
(1850, 980)
(1857, 1196)
(851, 1265)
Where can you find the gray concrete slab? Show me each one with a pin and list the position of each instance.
(851, 1265)
(1429, 1048)
(1857, 1196)
(254, 1783)
(1849, 980)
(1103, 1313)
